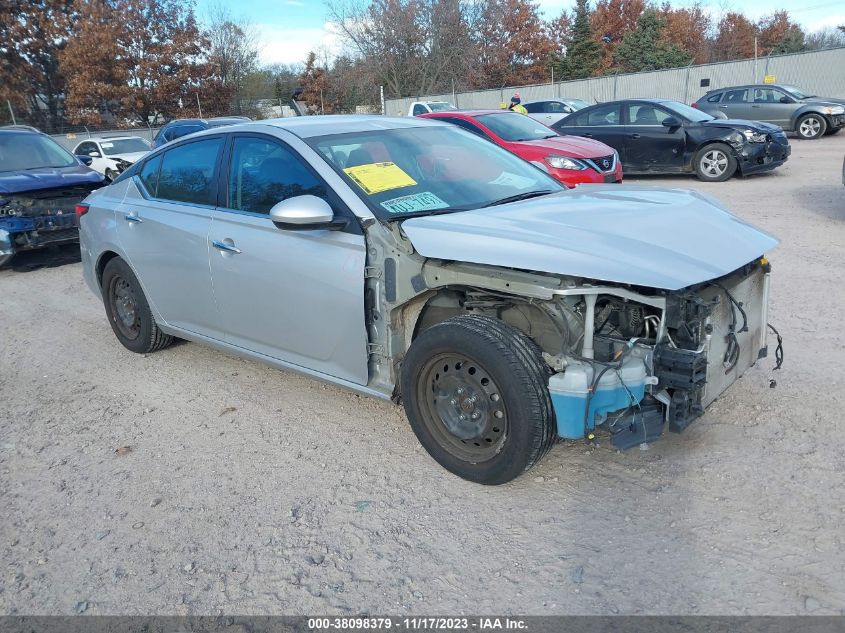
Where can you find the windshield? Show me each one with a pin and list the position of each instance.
(124, 146)
(577, 104)
(688, 112)
(26, 150)
(797, 92)
(441, 106)
(406, 172)
(512, 126)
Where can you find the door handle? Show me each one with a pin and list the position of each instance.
(132, 217)
(588, 135)
(724, 107)
(755, 106)
(635, 135)
(223, 246)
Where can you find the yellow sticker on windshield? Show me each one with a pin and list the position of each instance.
(377, 177)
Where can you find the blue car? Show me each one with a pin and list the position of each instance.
(40, 185)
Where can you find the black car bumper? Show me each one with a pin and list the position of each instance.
(837, 121)
(757, 157)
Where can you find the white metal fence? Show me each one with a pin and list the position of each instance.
(819, 72)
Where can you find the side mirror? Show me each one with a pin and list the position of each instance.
(305, 212)
(671, 122)
(785, 100)
(94, 154)
(85, 160)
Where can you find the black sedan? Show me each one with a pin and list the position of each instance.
(664, 137)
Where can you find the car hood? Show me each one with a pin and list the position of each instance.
(47, 178)
(742, 124)
(626, 234)
(825, 100)
(572, 146)
(129, 157)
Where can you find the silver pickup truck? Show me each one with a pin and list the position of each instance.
(411, 260)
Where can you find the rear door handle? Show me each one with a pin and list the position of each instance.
(133, 218)
(635, 135)
(724, 107)
(588, 135)
(223, 246)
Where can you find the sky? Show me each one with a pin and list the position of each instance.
(288, 29)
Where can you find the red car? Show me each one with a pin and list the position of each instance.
(570, 159)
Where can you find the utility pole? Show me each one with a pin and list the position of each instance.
(199, 107)
(754, 80)
(381, 96)
(12, 112)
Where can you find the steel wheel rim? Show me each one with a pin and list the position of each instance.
(124, 306)
(810, 126)
(714, 163)
(453, 385)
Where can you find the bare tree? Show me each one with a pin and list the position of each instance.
(233, 48)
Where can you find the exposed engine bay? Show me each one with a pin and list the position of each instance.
(629, 360)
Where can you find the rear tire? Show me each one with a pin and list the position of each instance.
(128, 310)
(811, 126)
(715, 163)
(475, 391)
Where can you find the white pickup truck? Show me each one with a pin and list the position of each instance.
(424, 107)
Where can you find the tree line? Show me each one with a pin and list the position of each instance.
(419, 47)
(141, 62)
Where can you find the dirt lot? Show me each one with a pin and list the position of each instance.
(250, 490)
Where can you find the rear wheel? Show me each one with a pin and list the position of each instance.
(475, 391)
(715, 163)
(810, 126)
(129, 313)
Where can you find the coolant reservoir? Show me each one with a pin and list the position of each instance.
(617, 390)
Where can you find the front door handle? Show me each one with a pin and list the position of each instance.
(223, 246)
(133, 218)
(588, 135)
(635, 135)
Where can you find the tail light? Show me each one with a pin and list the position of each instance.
(81, 209)
(694, 105)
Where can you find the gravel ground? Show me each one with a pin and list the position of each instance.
(254, 491)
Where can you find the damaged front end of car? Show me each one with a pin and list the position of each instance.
(39, 219)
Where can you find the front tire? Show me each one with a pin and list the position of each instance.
(715, 163)
(811, 126)
(128, 310)
(475, 391)
(111, 174)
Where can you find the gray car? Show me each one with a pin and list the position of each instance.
(410, 260)
(794, 110)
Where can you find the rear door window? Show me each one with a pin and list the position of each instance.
(537, 106)
(604, 115)
(188, 172)
(714, 98)
(736, 96)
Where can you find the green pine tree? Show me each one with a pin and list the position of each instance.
(644, 47)
(583, 54)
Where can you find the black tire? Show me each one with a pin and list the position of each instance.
(111, 174)
(504, 381)
(832, 130)
(128, 311)
(715, 163)
(810, 126)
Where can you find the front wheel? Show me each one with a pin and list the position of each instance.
(475, 391)
(111, 174)
(811, 126)
(129, 313)
(715, 163)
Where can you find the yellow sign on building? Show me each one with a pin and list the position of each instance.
(769, 79)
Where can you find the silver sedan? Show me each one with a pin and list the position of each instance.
(410, 260)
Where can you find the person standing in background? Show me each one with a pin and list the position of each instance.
(516, 104)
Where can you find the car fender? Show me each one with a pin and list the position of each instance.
(807, 108)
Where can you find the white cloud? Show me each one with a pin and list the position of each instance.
(826, 22)
(282, 45)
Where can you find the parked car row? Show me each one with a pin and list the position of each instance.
(735, 130)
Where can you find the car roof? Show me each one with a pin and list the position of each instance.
(322, 125)
(466, 113)
(20, 128)
(100, 139)
(781, 86)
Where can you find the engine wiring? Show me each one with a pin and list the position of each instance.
(779, 348)
(732, 352)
